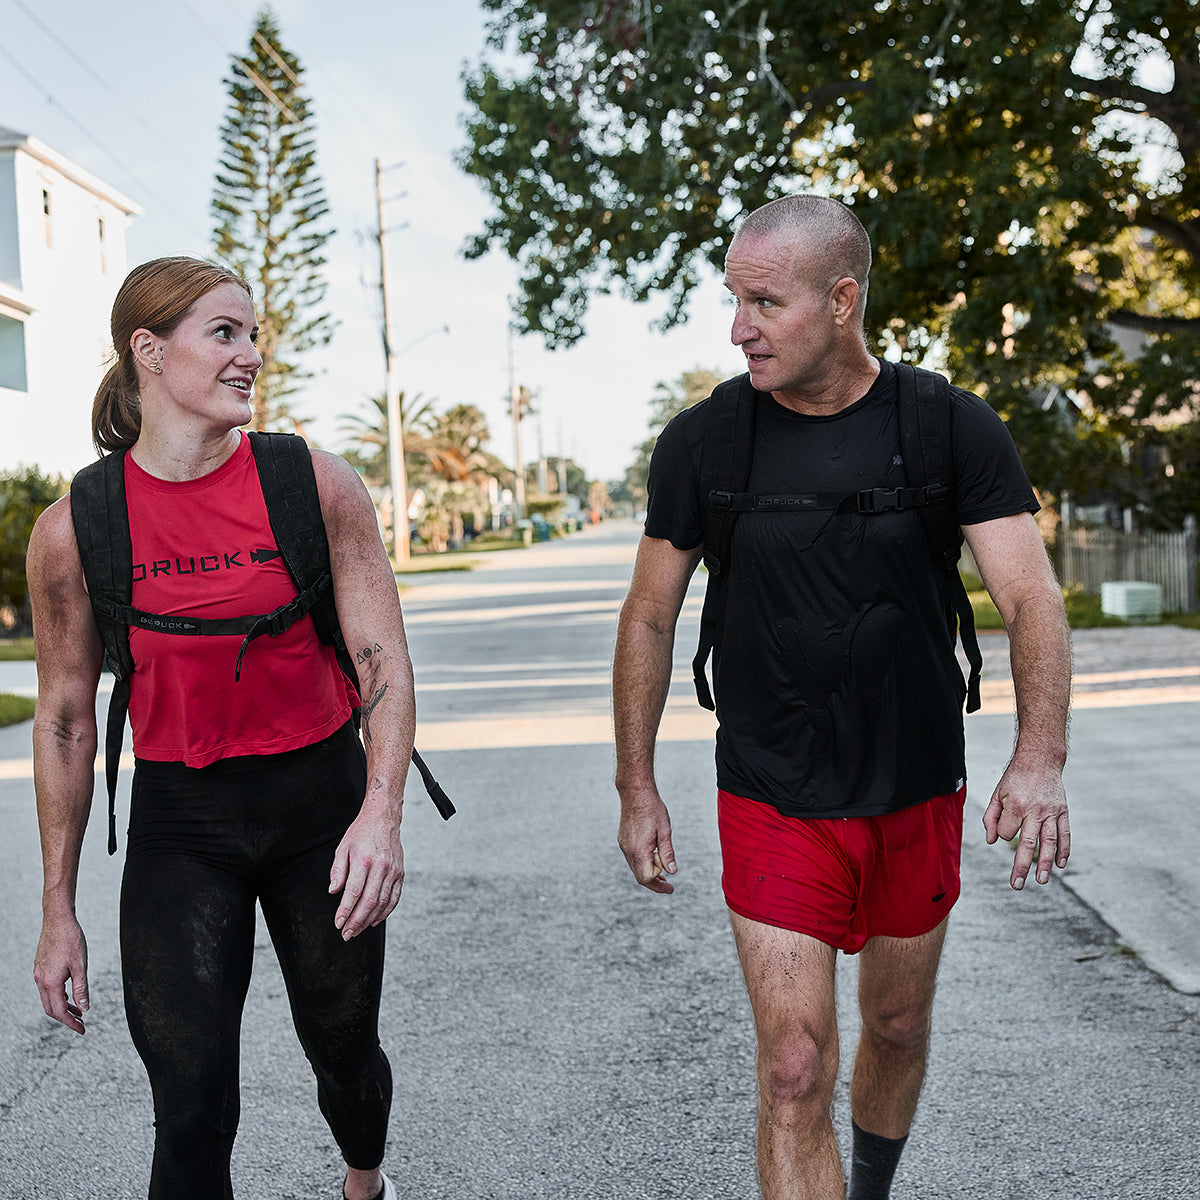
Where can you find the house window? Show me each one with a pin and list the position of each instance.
(48, 218)
(12, 355)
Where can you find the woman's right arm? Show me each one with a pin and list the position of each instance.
(69, 655)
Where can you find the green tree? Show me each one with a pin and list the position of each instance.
(462, 435)
(445, 455)
(577, 481)
(457, 495)
(270, 212)
(24, 495)
(669, 400)
(367, 434)
(1029, 174)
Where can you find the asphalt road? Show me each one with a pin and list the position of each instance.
(554, 1030)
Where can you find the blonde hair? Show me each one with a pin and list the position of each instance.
(155, 296)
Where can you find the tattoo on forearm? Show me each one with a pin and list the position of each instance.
(369, 708)
(368, 651)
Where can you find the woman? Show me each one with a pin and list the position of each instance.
(256, 790)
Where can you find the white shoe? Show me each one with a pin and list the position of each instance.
(389, 1189)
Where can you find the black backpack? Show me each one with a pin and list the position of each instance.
(925, 445)
(101, 519)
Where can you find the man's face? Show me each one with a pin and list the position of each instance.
(786, 317)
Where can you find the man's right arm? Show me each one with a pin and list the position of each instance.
(69, 654)
(641, 676)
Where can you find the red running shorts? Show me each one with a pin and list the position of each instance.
(842, 880)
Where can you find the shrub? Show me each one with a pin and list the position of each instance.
(24, 495)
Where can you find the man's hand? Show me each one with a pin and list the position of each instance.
(1030, 805)
(644, 836)
(368, 869)
(62, 955)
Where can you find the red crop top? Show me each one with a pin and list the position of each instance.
(205, 547)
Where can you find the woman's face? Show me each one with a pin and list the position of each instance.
(209, 362)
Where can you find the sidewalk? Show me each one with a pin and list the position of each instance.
(1133, 783)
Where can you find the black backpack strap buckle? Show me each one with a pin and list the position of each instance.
(283, 618)
(877, 500)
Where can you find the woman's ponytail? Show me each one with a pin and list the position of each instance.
(117, 409)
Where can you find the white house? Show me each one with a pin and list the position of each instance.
(62, 258)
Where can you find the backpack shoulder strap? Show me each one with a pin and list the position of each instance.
(289, 487)
(927, 447)
(101, 519)
(725, 461)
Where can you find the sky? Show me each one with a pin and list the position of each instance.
(134, 93)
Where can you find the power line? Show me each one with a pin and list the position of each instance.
(275, 57)
(183, 221)
(312, 69)
(83, 64)
(263, 87)
(353, 129)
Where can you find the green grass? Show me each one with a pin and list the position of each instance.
(421, 564)
(14, 709)
(1083, 612)
(459, 558)
(489, 543)
(16, 649)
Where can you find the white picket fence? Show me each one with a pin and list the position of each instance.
(1089, 557)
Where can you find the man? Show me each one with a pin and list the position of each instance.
(840, 762)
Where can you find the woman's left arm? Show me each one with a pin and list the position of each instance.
(368, 868)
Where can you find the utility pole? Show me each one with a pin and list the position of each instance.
(562, 461)
(542, 474)
(396, 470)
(515, 399)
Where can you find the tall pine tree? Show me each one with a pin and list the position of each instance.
(270, 211)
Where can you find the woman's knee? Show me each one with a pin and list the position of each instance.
(195, 1126)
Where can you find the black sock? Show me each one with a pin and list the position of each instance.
(873, 1165)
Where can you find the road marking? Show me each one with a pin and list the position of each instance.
(690, 724)
(512, 612)
(997, 696)
(22, 768)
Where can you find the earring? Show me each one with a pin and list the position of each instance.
(157, 367)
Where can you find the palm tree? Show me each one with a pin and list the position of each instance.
(444, 455)
(463, 469)
(368, 436)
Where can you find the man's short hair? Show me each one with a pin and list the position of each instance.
(831, 230)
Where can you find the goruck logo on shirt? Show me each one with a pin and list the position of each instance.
(204, 564)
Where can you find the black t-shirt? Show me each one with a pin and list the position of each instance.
(837, 687)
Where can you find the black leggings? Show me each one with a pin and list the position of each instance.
(204, 845)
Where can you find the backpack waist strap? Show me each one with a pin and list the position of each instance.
(250, 627)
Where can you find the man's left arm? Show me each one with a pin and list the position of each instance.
(1029, 802)
(368, 867)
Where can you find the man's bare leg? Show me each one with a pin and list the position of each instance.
(896, 982)
(790, 982)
